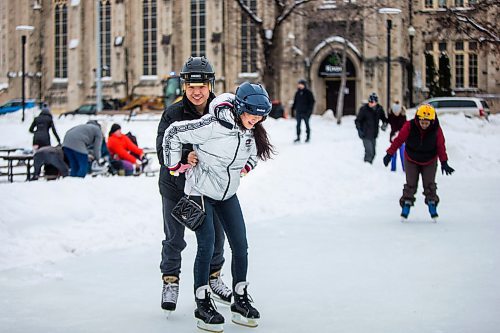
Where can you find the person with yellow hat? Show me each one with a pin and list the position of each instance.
(424, 144)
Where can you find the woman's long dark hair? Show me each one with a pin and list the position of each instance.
(264, 148)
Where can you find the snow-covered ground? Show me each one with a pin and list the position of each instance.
(328, 252)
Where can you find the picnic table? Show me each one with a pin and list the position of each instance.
(23, 160)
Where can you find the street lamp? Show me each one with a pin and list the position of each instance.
(389, 11)
(411, 33)
(25, 30)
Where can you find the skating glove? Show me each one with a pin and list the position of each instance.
(446, 168)
(387, 159)
(178, 169)
(244, 171)
(383, 127)
(361, 134)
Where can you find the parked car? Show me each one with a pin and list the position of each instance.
(469, 106)
(87, 109)
(16, 104)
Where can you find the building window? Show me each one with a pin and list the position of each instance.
(473, 70)
(459, 71)
(429, 3)
(459, 3)
(248, 40)
(149, 43)
(198, 28)
(464, 62)
(61, 40)
(106, 37)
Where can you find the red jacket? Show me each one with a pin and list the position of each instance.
(121, 146)
(422, 148)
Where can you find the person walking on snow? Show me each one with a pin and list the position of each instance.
(425, 143)
(40, 128)
(198, 78)
(303, 106)
(367, 120)
(397, 118)
(228, 142)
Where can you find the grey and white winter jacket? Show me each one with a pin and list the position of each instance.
(223, 148)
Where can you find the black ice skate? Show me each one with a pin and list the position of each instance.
(220, 292)
(208, 318)
(169, 293)
(243, 313)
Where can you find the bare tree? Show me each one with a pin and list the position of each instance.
(269, 33)
(479, 21)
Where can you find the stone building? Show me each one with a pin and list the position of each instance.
(143, 41)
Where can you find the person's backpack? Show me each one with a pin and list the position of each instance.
(132, 138)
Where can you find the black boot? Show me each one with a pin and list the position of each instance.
(208, 317)
(243, 312)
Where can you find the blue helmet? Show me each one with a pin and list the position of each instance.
(252, 98)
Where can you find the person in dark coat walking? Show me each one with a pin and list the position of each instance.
(41, 126)
(425, 143)
(303, 106)
(367, 122)
(397, 118)
(198, 78)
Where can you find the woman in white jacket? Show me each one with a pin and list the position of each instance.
(228, 141)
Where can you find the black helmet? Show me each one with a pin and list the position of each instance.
(198, 70)
(253, 99)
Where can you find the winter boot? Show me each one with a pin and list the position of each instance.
(243, 312)
(208, 317)
(220, 292)
(170, 292)
(433, 209)
(405, 211)
(308, 138)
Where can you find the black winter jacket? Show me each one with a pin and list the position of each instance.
(303, 102)
(172, 187)
(368, 119)
(40, 127)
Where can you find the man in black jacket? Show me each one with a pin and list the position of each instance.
(197, 78)
(367, 121)
(303, 106)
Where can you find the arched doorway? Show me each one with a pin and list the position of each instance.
(330, 70)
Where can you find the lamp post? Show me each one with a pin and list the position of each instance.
(25, 30)
(390, 11)
(411, 33)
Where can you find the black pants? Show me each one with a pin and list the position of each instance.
(413, 172)
(369, 145)
(305, 117)
(174, 243)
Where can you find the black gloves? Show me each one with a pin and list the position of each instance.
(387, 159)
(383, 127)
(446, 168)
(361, 134)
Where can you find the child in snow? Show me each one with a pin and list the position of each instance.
(397, 118)
(228, 142)
(425, 142)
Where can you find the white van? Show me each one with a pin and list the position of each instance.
(469, 106)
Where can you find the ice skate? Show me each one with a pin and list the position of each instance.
(243, 313)
(208, 318)
(433, 210)
(405, 211)
(220, 292)
(169, 294)
(296, 140)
